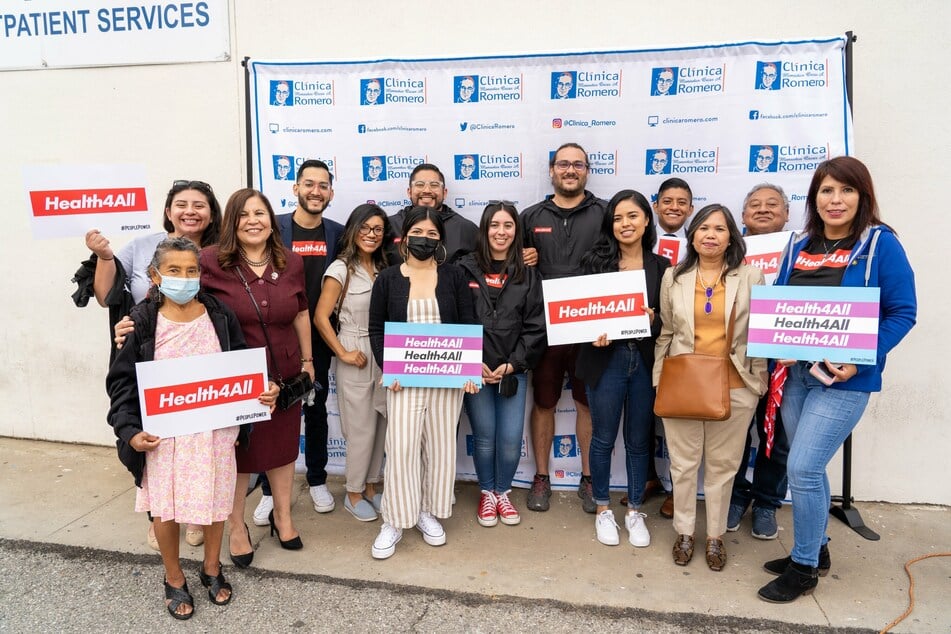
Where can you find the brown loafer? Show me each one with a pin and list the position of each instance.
(683, 550)
(716, 554)
(651, 489)
(667, 508)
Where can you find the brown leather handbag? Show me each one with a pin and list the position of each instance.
(695, 386)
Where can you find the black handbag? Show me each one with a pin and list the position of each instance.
(298, 386)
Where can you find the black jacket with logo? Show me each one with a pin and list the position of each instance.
(514, 328)
(562, 236)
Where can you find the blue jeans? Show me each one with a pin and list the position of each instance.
(497, 422)
(768, 488)
(625, 384)
(817, 420)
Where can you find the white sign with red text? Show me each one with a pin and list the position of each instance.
(763, 252)
(204, 392)
(580, 309)
(671, 247)
(68, 200)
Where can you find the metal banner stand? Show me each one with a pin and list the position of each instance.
(846, 512)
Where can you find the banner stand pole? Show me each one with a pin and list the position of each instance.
(846, 512)
(247, 121)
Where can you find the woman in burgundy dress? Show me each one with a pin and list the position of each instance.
(251, 260)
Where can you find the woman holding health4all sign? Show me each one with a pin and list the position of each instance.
(508, 301)
(188, 478)
(844, 244)
(617, 374)
(421, 421)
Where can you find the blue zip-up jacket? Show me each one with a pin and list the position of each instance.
(877, 259)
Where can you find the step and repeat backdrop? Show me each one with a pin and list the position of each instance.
(724, 117)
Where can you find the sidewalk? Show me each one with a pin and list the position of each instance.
(78, 495)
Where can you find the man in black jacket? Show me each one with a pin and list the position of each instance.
(427, 187)
(557, 232)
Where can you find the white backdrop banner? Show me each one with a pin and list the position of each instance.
(723, 117)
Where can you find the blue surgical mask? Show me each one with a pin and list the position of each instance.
(180, 290)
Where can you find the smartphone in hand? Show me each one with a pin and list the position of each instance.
(821, 372)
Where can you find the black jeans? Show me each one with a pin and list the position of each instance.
(769, 485)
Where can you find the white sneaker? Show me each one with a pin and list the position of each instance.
(637, 532)
(264, 508)
(429, 526)
(385, 544)
(323, 500)
(606, 528)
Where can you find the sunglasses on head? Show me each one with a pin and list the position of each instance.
(507, 203)
(186, 184)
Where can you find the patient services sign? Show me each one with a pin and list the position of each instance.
(580, 309)
(66, 201)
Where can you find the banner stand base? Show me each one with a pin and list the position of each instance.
(850, 515)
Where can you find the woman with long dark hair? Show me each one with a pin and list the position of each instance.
(421, 425)
(509, 304)
(617, 374)
(845, 244)
(251, 271)
(703, 299)
(361, 399)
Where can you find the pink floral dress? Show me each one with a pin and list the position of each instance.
(189, 479)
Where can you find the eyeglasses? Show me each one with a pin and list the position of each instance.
(373, 89)
(184, 184)
(366, 230)
(564, 84)
(665, 80)
(424, 184)
(579, 166)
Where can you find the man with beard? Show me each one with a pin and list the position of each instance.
(307, 233)
(427, 187)
(558, 231)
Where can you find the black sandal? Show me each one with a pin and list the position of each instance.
(177, 597)
(215, 585)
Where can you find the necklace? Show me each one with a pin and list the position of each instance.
(828, 249)
(252, 263)
(708, 289)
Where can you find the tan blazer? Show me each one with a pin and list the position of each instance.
(677, 332)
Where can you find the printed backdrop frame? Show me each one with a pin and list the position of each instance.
(713, 114)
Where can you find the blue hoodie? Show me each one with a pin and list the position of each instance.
(877, 259)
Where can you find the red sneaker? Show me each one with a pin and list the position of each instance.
(487, 514)
(507, 511)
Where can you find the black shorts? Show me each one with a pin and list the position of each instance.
(548, 377)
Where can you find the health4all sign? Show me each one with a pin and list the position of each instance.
(69, 200)
(811, 323)
(580, 309)
(200, 393)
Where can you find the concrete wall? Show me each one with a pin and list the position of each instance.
(187, 121)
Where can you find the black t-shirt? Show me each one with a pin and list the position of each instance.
(822, 263)
(311, 245)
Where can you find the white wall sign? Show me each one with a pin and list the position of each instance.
(64, 33)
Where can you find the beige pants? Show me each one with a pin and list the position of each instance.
(362, 404)
(719, 446)
(420, 453)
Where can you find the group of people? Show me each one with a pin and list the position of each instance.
(309, 288)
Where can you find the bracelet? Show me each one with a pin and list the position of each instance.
(107, 259)
(310, 360)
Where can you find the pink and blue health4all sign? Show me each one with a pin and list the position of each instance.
(432, 355)
(811, 323)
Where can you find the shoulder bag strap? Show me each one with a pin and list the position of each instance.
(267, 339)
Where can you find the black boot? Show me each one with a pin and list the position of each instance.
(794, 582)
(778, 566)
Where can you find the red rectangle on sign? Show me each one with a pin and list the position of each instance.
(198, 394)
(60, 202)
(766, 262)
(595, 308)
(669, 248)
